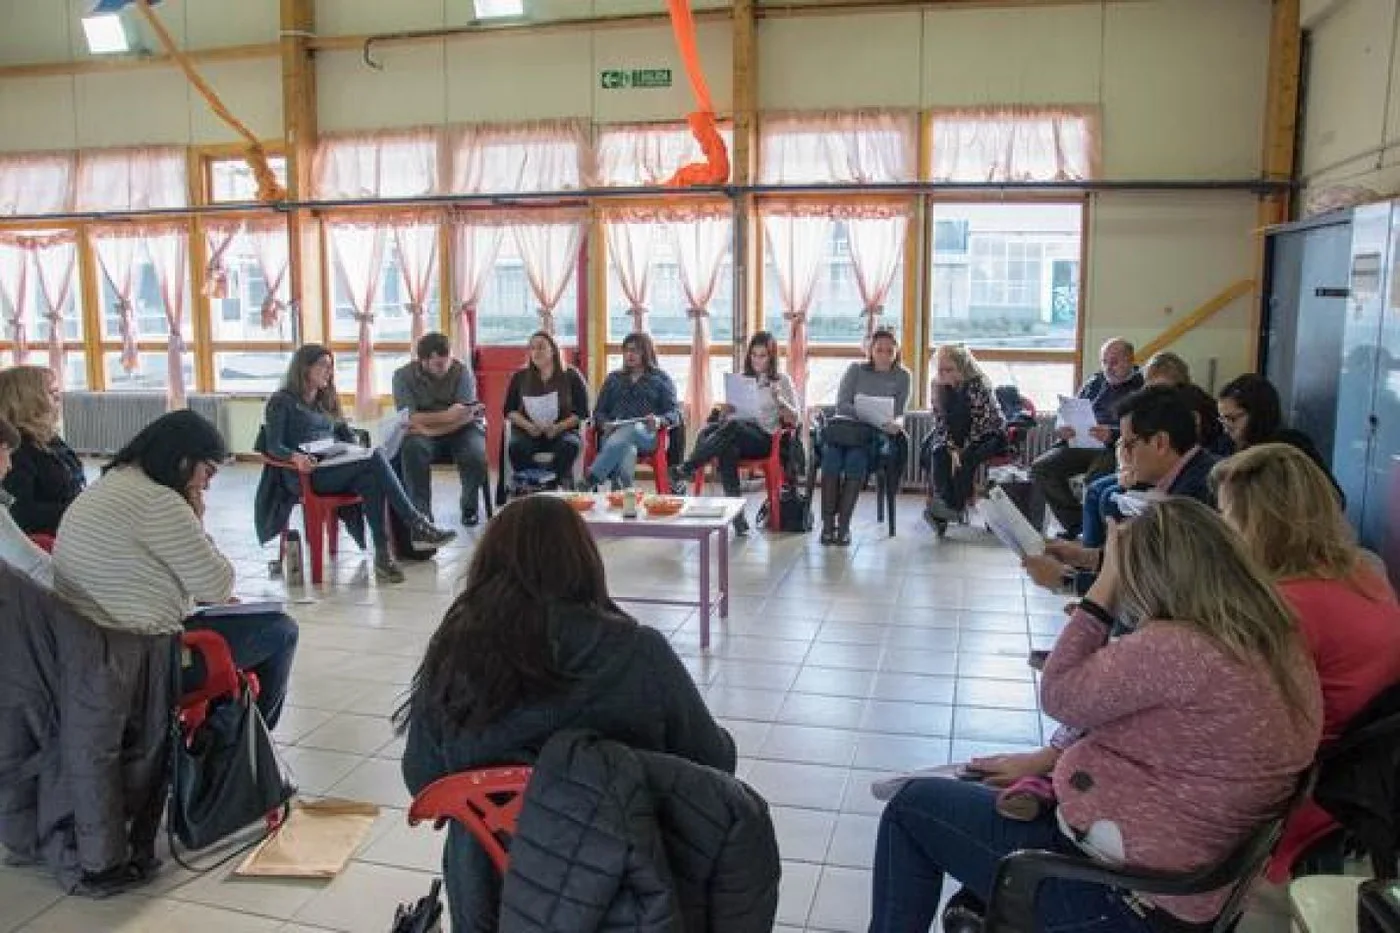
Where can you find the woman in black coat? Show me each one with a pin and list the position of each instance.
(45, 475)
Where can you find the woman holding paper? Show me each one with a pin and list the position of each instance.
(307, 409)
(968, 429)
(545, 403)
(872, 394)
(132, 554)
(760, 401)
(636, 403)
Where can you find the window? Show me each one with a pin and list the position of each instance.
(835, 316)
(250, 371)
(824, 376)
(151, 322)
(383, 367)
(152, 373)
(236, 314)
(36, 319)
(231, 181)
(392, 319)
(1042, 383)
(1009, 276)
(507, 315)
(668, 318)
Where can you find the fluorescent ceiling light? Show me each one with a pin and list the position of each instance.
(106, 34)
(499, 9)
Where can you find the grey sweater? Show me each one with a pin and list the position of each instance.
(862, 379)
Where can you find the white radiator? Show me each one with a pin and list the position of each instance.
(917, 425)
(103, 422)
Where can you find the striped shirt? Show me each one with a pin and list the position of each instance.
(131, 555)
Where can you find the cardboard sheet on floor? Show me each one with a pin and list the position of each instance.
(316, 841)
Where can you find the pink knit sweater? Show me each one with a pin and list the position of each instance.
(1187, 751)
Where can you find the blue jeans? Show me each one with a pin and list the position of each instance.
(936, 827)
(617, 455)
(1096, 493)
(854, 462)
(264, 644)
(375, 481)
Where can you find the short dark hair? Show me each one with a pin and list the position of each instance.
(9, 436)
(433, 344)
(1258, 397)
(1161, 410)
(168, 449)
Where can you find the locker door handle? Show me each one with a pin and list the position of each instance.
(1325, 292)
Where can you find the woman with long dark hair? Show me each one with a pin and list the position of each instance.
(730, 438)
(534, 644)
(636, 403)
(546, 374)
(132, 553)
(307, 408)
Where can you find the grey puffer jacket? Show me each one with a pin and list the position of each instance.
(84, 732)
(611, 838)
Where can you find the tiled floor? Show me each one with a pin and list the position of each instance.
(836, 667)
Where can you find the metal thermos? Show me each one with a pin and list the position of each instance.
(293, 569)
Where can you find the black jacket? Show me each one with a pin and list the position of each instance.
(627, 685)
(44, 479)
(1358, 780)
(611, 838)
(84, 732)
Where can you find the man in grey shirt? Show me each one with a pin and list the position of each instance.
(445, 420)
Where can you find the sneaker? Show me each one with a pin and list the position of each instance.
(936, 510)
(1037, 659)
(386, 570)
(470, 519)
(427, 535)
(741, 526)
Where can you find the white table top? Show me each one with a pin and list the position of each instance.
(603, 514)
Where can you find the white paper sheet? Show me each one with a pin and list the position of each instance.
(542, 409)
(1078, 413)
(1132, 504)
(875, 409)
(230, 610)
(1009, 525)
(741, 392)
(886, 788)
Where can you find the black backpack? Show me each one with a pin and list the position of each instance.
(1358, 781)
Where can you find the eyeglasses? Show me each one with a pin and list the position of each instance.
(1128, 444)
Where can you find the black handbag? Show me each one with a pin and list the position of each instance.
(847, 432)
(227, 777)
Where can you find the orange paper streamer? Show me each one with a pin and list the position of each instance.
(715, 169)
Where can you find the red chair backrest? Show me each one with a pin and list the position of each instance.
(486, 802)
(221, 677)
(44, 542)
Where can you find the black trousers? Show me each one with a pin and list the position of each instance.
(730, 441)
(954, 486)
(565, 447)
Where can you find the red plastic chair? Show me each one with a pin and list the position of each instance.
(42, 541)
(486, 802)
(319, 517)
(771, 468)
(222, 679)
(658, 459)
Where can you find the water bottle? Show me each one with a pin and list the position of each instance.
(629, 502)
(294, 572)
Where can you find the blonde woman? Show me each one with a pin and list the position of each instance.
(1196, 724)
(968, 429)
(46, 475)
(1284, 508)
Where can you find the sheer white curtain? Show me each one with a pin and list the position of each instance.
(839, 147)
(877, 243)
(382, 164)
(37, 182)
(150, 178)
(543, 155)
(797, 241)
(476, 246)
(632, 239)
(359, 253)
(15, 289)
(418, 253)
(702, 239)
(55, 261)
(273, 251)
(549, 246)
(118, 251)
(647, 154)
(168, 247)
(1015, 144)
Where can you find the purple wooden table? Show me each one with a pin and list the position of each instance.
(609, 523)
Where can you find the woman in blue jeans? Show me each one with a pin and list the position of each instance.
(845, 467)
(636, 403)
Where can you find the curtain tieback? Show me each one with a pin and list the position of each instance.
(873, 311)
(54, 317)
(364, 317)
(413, 307)
(795, 317)
(466, 307)
(695, 313)
(215, 281)
(124, 306)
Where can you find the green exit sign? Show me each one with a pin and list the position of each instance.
(622, 79)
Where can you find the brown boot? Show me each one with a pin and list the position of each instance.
(846, 505)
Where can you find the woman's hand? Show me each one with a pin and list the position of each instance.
(194, 495)
(1065, 434)
(551, 431)
(303, 463)
(1045, 570)
(1108, 583)
(1101, 433)
(1073, 553)
(1003, 770)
